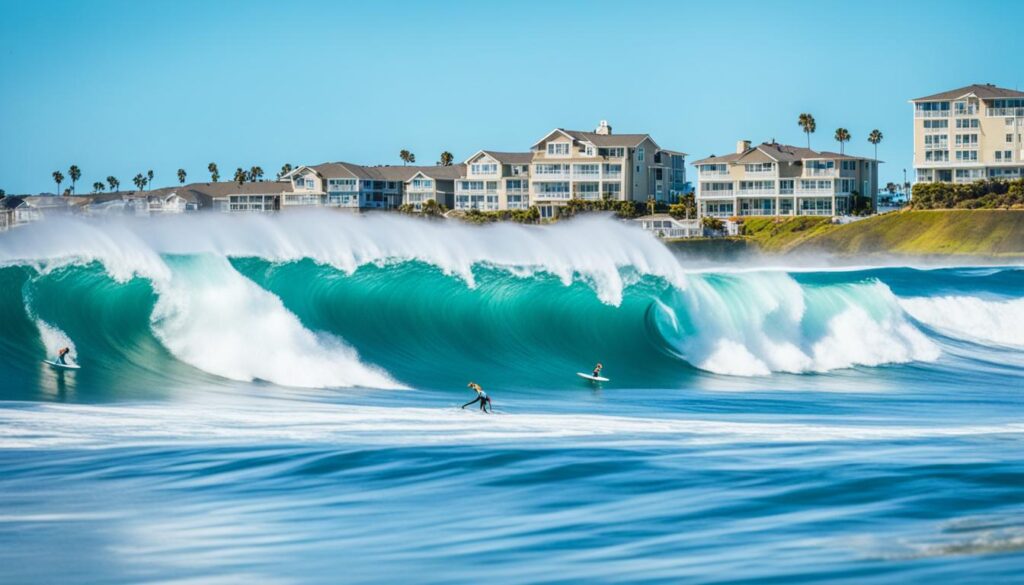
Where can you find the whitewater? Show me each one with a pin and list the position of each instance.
(276, 399)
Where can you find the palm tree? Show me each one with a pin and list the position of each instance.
(58, 178)
(255, 174)
(412, 157)
(149, 177)
(806, 121)
(446, 159)
(97, 187)
(214, 174)
(74, 173)
(406, 156)
(285, 169)
(140, 181)
(181, 176)
(842, 137)
(240, 176)
(874, 138)
(115, 185)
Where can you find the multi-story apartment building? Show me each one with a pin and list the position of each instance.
(570, 164)
(778, 179)
(435, 183)
(494, 180)
(351, 186)
(967, 134)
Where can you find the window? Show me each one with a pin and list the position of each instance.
(589, 150)
(1009, 137)
(936, 124)
(586, 170)
(967, 155)
(716, 187)
(1004, 155)
(716, 168)
(936, 155)
(612, 171)
(558, 149)
(515, 185)
(640, 155)
(966, 139)
(611, 152)
(849, 165)
(758, 168)
(967, 123)
(936, 140)
(422, 184)
(483, 168)
(550, 169)
(470, 185)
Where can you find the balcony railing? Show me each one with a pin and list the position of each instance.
(814, 192)
(612, 175)
(754, 174)
(748, 192)
(966, 145)
(718, 194)
(811, 172)
(557, 176)
(931, 113)
(559, 196)
(586, 175)
(971, 111)
(1005, 112)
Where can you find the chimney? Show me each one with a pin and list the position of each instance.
(603, 128)
(742, 146)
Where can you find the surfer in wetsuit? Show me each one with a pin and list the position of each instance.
(62, 356)
(597, 370)
(481, 397)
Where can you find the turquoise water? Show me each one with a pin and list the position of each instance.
(276, 400)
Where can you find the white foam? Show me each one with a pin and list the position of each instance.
(593, 248)
(753, 324)
(971, 318)
(306, 423)
(210, 316)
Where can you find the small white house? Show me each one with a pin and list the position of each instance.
(664, 225)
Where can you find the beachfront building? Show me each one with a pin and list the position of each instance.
(494, 181)
(258, 197)
(968, 134)
(664, 225)
(18, 211)
(570, 164)
(437, 183)
(778, 179)
(356, 187)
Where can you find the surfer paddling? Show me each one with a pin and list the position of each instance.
(481, 397)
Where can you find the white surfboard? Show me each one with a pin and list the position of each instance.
(59, 366)
(592, 378)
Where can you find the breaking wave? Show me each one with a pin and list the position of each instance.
(330, 300)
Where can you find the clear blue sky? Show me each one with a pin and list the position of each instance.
(119, 87)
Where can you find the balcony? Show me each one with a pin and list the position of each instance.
(586, 175)
(754, 192)
(971, 111)
(802, 192)
(1005, 112)
(758, 174)
(811, 172)
(931, 113)
(551, 176)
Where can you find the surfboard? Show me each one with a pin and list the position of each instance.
(54, 364)
(591, 378)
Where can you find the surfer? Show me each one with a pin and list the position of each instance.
(597, 370)
(481, 397)
(62, 356)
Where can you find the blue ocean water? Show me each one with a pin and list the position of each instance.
(277, 401)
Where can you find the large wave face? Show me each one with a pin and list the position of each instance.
(328, 300)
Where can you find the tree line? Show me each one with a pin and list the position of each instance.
(984, 194)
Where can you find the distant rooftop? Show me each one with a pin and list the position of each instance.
(985, 91)
(778, 153)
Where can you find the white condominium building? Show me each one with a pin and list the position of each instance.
(570, 164)
(494, 180)
(967, 134)
(778, 179)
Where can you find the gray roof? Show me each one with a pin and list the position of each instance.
(778, 152)
(386, 173)
(510, 158)
(11, 202)
(985, 91)
(205, 192)
(606, 140)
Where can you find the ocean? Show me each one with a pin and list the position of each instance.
(277, 400)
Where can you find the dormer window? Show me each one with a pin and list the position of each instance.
(589, 150)
(558, 149)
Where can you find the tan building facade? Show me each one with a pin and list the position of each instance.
(570, 164)
(772, 179)
(969, 134)
(494, 181)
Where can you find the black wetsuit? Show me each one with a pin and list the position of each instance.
(482, 398)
